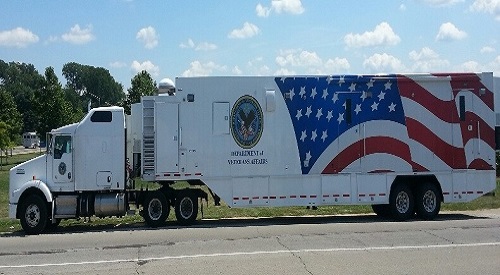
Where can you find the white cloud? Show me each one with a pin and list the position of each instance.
(487, 6)
(474, 66)
(262, 11)
(487, 49)
(148, 37)
(280, 6)
(188, 44)
(203, 46)
(17, 37)
(441, 3)
(145, 66)
(76, 35)
(118, 64)
(448, 32)
(237, 71)
(383, 63)
(381, 35)
(203, 69)
(310, 62)
(471, 66)
(248, 30)
(427, 60)
(284, 71)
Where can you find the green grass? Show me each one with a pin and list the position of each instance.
(212, 212)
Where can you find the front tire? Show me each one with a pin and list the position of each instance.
(156, 209)
(401, 202)
(428, 202)
(33, 215)
(186, 208)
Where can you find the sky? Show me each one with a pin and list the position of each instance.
(227, 37)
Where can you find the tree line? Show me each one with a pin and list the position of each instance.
(30, 101)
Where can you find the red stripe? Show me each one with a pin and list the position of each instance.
(346, 195)
(245, 198)
(452, 156)
(282, 197)
(235, 198)
(382, 194)
(373, 145)
(461, 81)
(255, 198)
(303, 196)
(487, 134)
(312, 196)
(293, 196)
(336, 195)
(444, 110)
(272, 197)
(480, 164)
(326, 196)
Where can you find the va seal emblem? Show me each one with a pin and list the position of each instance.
(246, 122)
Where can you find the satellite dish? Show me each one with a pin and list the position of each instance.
(166, 86)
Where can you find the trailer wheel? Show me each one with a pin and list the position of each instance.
(186, 208)
(156, 209)
(401, 202)
(428, 201)
(33, 215)
(382, 210)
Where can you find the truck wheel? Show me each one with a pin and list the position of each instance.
(156, 209)
(382, 210)
(428, 201)
(33, 215)
(186, 208)
(401, 202)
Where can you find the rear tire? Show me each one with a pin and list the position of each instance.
(156, 209)
(186, 208)
(33, 215)
(428, 201)
(401, 202)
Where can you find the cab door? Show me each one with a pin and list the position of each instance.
(62, 161)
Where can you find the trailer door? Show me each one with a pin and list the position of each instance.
(167, 138)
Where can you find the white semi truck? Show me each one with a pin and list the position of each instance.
(401, 143)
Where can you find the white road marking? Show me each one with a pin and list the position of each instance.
(345, 249)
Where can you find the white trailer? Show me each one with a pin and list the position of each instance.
(401, 143)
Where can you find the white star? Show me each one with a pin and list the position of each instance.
(330, 115)
(308, 111)
(299, 114)
(283, 79)
(324, 135)
(363, 96)
(308, 156)
(381, 96)
(352, 88)
(292, 93)
(313, 93)
(374, 106)
(320, 113)
(358, 108)
(345, 105)
(388, 85)
(302, 92)
(392, 107)
(335, 97)
(341, 80)
(370, 84)
(314, 136)
(329, 79)
(325, 94)
(341, 118)
(303, 136)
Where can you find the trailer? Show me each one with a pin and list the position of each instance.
(402, 143)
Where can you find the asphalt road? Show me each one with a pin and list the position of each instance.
(455, 243)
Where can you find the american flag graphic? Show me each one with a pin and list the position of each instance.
(390, 123)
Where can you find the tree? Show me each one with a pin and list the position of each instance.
(51, 106)
(92, 83)
(5, 142)
(9, 115)
(142, 85)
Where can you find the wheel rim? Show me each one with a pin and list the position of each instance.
(403, 202)
(155, 209)
(429, 201)
(32, 215)
(186, 207)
